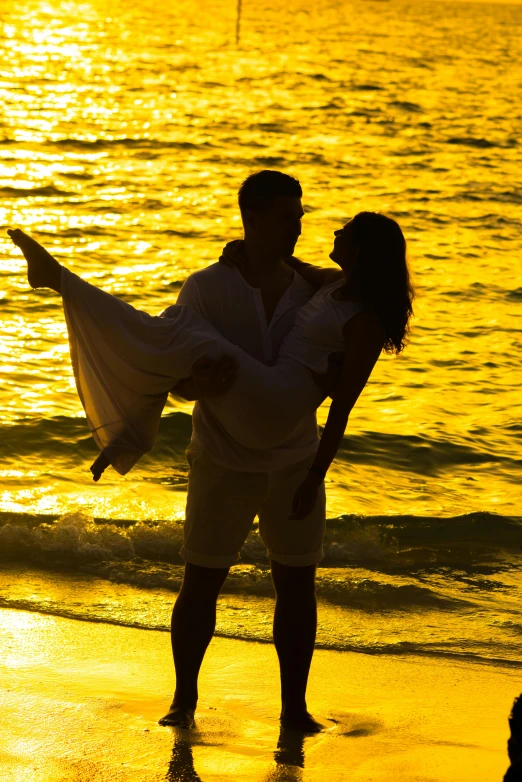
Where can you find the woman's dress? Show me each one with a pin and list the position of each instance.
(126, 362)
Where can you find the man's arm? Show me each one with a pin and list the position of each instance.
(189, 297)
(209, 377)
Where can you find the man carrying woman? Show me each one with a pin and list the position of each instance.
(255, 450)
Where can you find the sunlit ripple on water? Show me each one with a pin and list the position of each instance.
(127, 129)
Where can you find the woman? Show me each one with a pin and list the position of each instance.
(125, 362)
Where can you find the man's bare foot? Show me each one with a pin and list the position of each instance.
(179, 716)
(300, 720)
(43, 271)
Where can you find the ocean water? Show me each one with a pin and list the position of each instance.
(388, 585)
(125, 131)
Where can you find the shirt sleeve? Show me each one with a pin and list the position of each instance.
(189, 295)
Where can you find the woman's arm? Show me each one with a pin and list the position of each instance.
(233, 256)
(364, 338)
(315, 275)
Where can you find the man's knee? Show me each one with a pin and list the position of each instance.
(295, 581)
(203, 582)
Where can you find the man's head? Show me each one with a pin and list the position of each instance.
(271, 210)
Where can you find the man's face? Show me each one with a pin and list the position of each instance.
(279, 228)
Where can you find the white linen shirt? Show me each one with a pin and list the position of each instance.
(236, 310)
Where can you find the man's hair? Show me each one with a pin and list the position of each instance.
(259, 190)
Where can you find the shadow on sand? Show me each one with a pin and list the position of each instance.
(289, 757)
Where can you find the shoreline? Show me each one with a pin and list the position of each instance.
(84, 699)
(447, 657)
(381, 615)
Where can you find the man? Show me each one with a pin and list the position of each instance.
(229, 484)
(514, 772)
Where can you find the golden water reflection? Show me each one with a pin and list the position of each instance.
(127, 130)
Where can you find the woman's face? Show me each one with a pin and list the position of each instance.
(344, 251)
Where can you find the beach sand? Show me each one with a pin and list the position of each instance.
(80, 701)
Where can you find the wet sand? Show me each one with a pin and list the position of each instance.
(80, 701)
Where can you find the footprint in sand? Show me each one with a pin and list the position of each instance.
(353, 726)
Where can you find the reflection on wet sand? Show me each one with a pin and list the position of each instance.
(181, 766)
(289, 757)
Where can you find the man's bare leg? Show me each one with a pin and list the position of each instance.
(43, 271)
(295, 627)
(192, 628)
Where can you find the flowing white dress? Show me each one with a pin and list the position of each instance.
(126, 362)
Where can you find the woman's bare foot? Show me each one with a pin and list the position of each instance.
(43, 271)
(179, 716)
(99, 466)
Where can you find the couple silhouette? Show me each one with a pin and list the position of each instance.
(258, 340)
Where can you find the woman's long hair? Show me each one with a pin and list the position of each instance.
(383, 275)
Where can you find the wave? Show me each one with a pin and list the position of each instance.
(481, 143)
(514, 295)
(486, 195)
(366, 87)
(146, 553)
(125, 141)
(478, 528)
(511, 627)
(407, 106)
(68, 437)
(85, 177)
(47, 191)
(269, 161)
(109, 143)
(415, 453)
(126, 615)
(337, 586)
(191, 234)
(74, 233)
(64, 436)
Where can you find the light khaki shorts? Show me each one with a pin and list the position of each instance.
(222, 505)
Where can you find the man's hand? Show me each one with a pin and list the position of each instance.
(305, 497)
(210, 377)
(99, 466)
